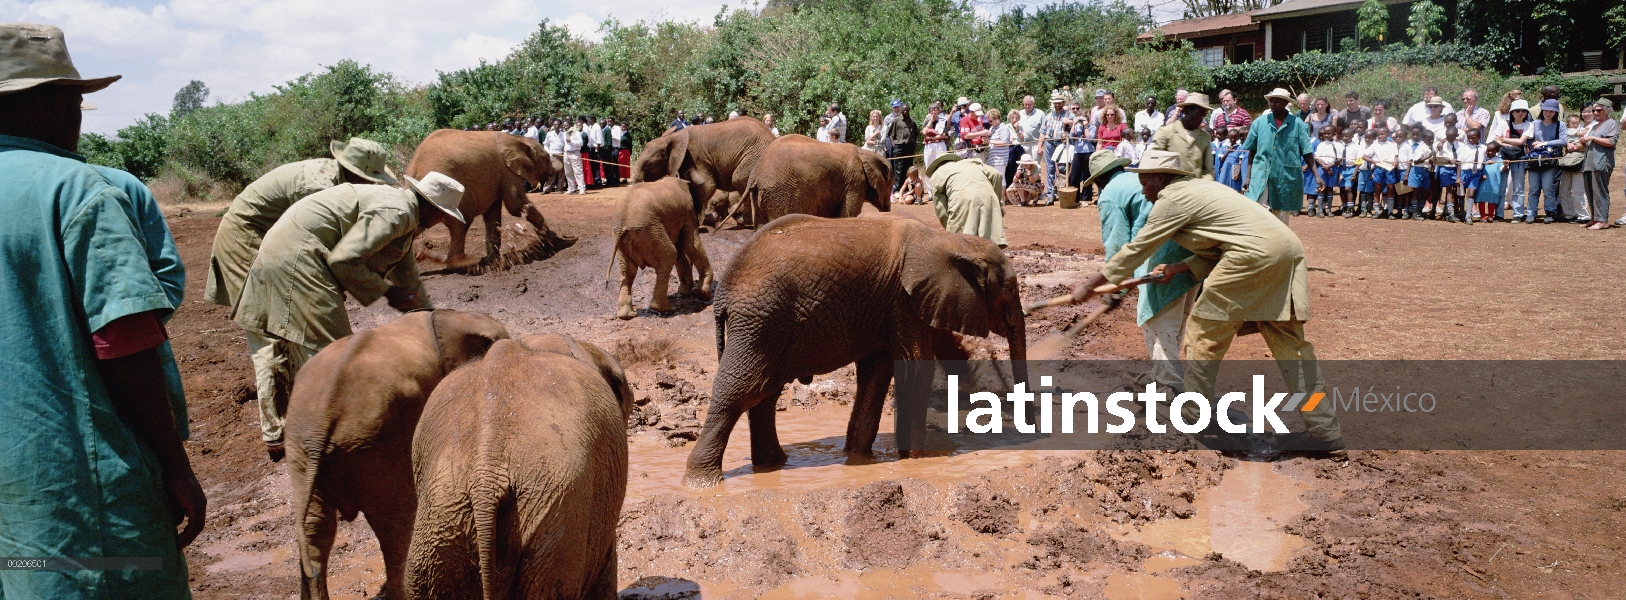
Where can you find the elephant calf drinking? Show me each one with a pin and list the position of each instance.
(655, 228)
(806, 296)
(521, 467)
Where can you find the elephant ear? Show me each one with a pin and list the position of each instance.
(946, 283)
(879, 176)
(608, 367)
(676, 153)
(517, 160)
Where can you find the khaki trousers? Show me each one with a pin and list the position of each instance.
(276, 361)
(1205, 346)
(1164, 333)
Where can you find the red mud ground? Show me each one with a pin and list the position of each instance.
(1068, 524)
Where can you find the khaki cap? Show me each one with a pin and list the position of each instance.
(363, 157)
(1160, 161)
(440, 190)
(1102, 161)
(33, 55)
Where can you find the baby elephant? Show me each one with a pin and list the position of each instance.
(521, 467)
(656, 227)
(350, 422)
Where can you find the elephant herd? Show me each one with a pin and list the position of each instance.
(496, 467)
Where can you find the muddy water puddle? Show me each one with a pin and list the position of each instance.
(1241, 518)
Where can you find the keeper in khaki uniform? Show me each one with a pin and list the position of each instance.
(1252, 270)
(350, 238)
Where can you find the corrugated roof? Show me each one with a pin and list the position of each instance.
(1216, 25)
(1293, 8)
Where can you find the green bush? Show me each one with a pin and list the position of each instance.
(1252, 80)
(138, 149)
(1143, 72)
(1573, 91)
(1401, 85)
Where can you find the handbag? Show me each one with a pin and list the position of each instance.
(1571, 161)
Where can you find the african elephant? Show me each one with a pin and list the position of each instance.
(351, 416)
(521, 468)
(807, 295)
(711, 157)
(496, 169)
(654, 228)
(798, 174)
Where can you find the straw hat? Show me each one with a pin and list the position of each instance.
(1159, 161)
(1102, 161)
(1056, 97)
(34, 55)
(363, 157)
(962, 101)
(1197, 100)
(946, 157)
(442, 191)
(1435, 101)
(1280, 93)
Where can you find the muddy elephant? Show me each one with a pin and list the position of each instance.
(711, 157)
(351, 417)
(496, 170)
(521, 468)
(806, 296)
(654, 228)
(800, 175)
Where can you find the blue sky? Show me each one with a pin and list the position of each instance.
(243, 46)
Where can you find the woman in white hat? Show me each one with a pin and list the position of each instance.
(1512, 140)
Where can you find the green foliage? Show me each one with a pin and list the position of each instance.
(1253, 80)
(189, 98)
(1372, 21)
(1573, 91)
(1557, 19)
(1424, 22)
(138, 149)
(1615, 19)
(1400, 85)
(1143, 72)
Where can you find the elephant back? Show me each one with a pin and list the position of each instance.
(473, 158)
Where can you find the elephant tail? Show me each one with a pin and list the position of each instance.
(719, 308)
(492, 496)
(615, 248)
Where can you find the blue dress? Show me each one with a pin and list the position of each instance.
(1312, 185)
(1490, 188)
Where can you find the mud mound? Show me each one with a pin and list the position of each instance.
(1071, 545)
(985, 510)
(881, 532)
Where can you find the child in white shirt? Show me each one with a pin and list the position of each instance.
(1327, 156)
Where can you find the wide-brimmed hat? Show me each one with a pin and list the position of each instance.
(440, 190)
(1028, 161)
(1520, 104)
(1057, 97)
(1435, 101)
(364, 158)
(1549, 104)
(1160, 161)
(1280, 93)
(946, 157)
(34, 55)
(1101, 162)
(1197, 100)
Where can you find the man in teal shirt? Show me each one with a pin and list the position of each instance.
(1279, 146)
(91, 463)
(1163, 307)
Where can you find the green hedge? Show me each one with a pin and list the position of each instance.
(1306, 70)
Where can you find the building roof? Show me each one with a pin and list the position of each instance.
(1299, 8)
(1203, 26)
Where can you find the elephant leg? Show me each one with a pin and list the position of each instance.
(665, 258)
(765, 448)
(318, 521)
(493, 222)
(455, 258)
(393, 526)
(685, 271)
(697, 256)
(604, 588)
(629, 272)
(705, 466)
(874, 377)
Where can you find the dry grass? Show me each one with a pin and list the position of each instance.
(655, 350)
(177, 187)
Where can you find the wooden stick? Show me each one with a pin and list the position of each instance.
(1028, 309)
(1056, 342)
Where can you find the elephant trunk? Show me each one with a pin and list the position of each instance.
(1017, 335)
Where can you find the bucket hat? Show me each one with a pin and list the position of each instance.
(1605, 103)
(1549, 104)
(941, 160)
(1520, 104)
(440, 190)
(1197, 100)
(1102, 161)
(1160, 161)
(33, 55)
(363, 157)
